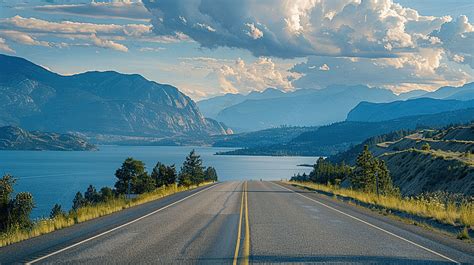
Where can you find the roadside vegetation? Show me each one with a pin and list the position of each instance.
(369, 182)
(133, 186)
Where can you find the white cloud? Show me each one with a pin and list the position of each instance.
(108, 44)
(34, 25)
(324, 67)
(124, 9)
(25, 31)
(4, 46)
(457, 37)
(253, 31)
(291, 28)
(234, 76)
(373, 42)
(23, 38)
(428, 69)
(241, 77)
(151, 49)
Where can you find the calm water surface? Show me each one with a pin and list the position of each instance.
(54, 177)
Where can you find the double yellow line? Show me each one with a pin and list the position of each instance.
(246, 244)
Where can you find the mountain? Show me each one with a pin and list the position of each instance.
(211, 107)
(301, 108)
(446, 165)
(265, 137)
(96, 103)
(338, 137)
(373, 112)
(14, 138)
(449, 92)
(412, 94)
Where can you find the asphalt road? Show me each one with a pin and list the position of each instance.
(240, 222)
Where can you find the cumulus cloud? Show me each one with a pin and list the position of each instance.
(457, 37)
(428, 70)
(238, 76)
(352, 28)
(374, 42)
(241, 77)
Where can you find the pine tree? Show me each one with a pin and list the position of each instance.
(192, 169)
(171, 175)
(363, 177)
(20, 210)
(6, 189)
(159, 174)
(371, 174)
(78, 201)
(56, 211)
(106, 194)
(210, 174)
(91, 196)
(130, 173)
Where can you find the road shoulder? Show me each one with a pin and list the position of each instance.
(463, 251)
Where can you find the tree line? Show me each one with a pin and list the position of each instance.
(370, 174)
(131, 178)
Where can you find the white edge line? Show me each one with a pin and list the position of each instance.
(371, 225)
(116, 228)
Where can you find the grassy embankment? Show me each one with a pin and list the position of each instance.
(86, 213)
(459, 215)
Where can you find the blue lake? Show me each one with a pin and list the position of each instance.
(54, 176)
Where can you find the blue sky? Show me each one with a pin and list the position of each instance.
(209, 47)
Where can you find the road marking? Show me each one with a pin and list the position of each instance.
(247, 229)
(118, 227)
(371, 225)
(237, 246)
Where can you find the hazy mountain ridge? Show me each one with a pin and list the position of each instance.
(212, 106)
(96, 102)
(301, 108)
(374, 112)
(310, 107)
(14, 138)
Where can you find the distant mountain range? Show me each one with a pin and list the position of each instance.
(107, 103)
(306, 107)
(338, 137)
(374, 112)
(310, 107)
(14, 138)
(465, 92)
(211, 107)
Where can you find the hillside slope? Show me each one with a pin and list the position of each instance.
(447, 164)
(96, 103)
(14, 138)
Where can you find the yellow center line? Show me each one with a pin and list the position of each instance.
(246, 253)
(237, 246)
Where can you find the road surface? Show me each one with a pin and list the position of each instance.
(241, 222)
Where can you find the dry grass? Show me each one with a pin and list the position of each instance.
(45, 226)
(449, 214)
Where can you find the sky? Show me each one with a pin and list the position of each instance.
(212, 47)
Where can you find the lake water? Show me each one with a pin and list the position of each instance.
(55, 176)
